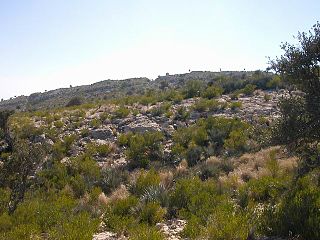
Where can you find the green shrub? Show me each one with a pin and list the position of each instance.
(267, 97)
(158, 111)
(143, 232)
(226, 223)
(152, 213)
(121, 112)
(143, 148)
(111, 178)
(236, 141)
(249, 89)
(95, 123)
(75, 101)
(79, 227)
(212, 92)
(119, 217)
(58, 124)
(156, 194)
(236, 105)
(193, 154)
(193, 197)
(193, 88)
(123, 139)
(62, 148)
(144, 181)
(193, 228)
(102, 150)
(298, 211)
(182, 114)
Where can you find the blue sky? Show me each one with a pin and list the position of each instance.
(47, 44)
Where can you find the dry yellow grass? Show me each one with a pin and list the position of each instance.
(166, 178)
(118, 194)
(182, 168)
(265, 162)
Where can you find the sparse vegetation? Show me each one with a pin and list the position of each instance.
(168, 152)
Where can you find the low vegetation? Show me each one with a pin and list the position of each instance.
(68, 173)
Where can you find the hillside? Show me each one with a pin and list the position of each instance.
(109, 89)
(137, 150)
(201, 155)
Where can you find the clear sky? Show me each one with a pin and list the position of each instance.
(47, 44)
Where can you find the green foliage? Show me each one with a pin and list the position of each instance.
(182, 114)
(152, 213)
(264, 190)
(17, 170)
(121, 112)
(194, 197)
(75, 101)
(267, 97)
(275, 82)
(123, 139)
(58, 124)
(193, 88)
(227, 223)
(235, 105)
(193, 228)
(102, 150)
(236, 142)
(144, 181)
(52, 215)
(203, 105)
(248, 89)
(212, 92)
(143, 232)
(143, 148)
(299, 67)
(158, 111)
(209, 137)
(155, 194)
(95, 123)
(298, 211)
(111, 178)
(84, 173)
(62, 148)
(120, 217)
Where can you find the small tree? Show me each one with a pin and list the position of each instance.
(299, 125)
(4, 117)
(75, 101)
(18, 170)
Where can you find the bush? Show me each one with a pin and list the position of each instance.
(119, 217)
(144, 181)
(193, 228)
(193, 197)
(111, 179)
(236, 142)
(102, 150)
(143, 232)
(193, 88)
(121, 112)
(182, 114)
(75, 101)
(212, 92)
(58, 124)
(298, 211)
(249, 89)
(226, 223)
(152, 213)
(235, 105)
(143, 148)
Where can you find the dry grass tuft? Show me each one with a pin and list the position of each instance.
(118, 194)
(166, 179)
(270, 161)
